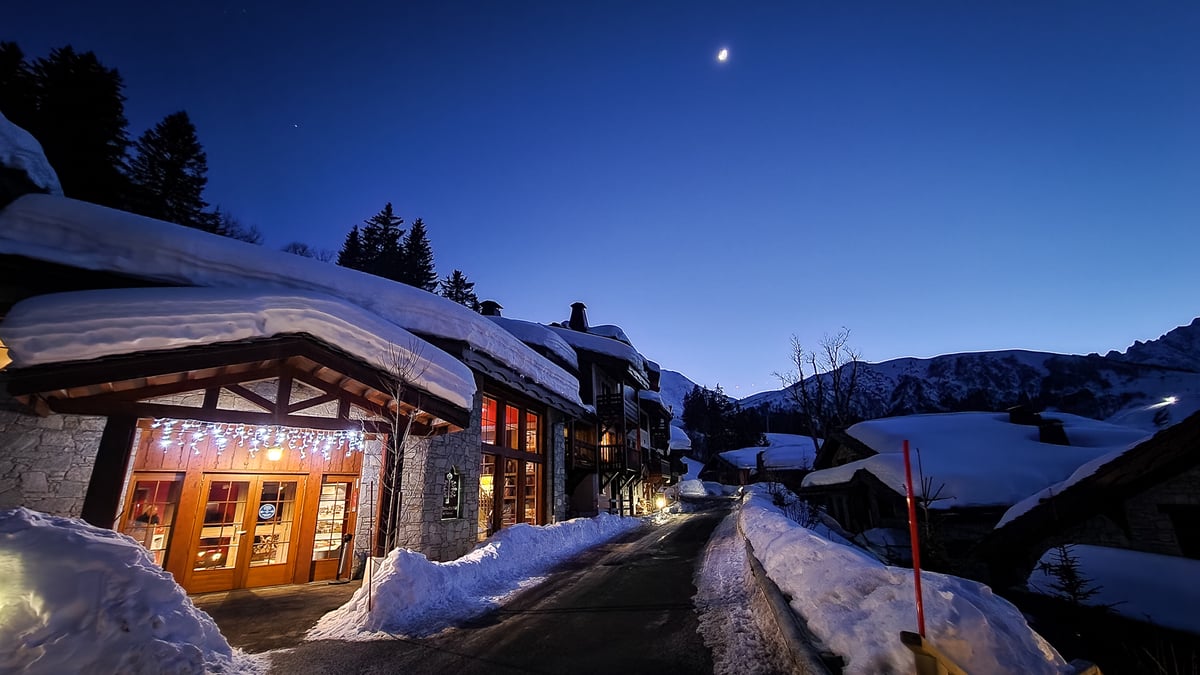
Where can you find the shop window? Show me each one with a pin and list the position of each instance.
(532, 432)
(532, 488)
(150, 517)
(487, 495)
(512, 427)
(509, 514)
(488, 423)
(333, 518)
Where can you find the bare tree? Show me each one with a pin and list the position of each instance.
(401, 367)
(823, 383)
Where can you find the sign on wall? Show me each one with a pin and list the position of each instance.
(451, 495)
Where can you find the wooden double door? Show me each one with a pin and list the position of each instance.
(247, 531)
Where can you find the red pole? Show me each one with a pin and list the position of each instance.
(916, 545)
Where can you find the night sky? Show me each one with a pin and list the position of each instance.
(936, 177)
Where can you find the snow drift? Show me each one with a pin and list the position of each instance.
(77, 598)
(858, 606)
(411, 595)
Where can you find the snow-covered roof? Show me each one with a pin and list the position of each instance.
(1160, 589)
(93, 237)
(537, 334)
(602, 345)
(981, 459)
(679, 439)
(783, 452)
(610, 331)
(20, 150)
(81, 325)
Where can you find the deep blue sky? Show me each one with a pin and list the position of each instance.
(937, 177)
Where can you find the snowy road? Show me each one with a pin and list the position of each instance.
(626, 606)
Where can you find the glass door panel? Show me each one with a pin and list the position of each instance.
(223, 526)
(274, 523)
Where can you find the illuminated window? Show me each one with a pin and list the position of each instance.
(531, 432)
(488, 430)
(512, 421)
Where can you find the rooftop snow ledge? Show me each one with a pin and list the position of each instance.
(84, 325)
(94, 237)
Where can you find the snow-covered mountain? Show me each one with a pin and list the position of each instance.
(673, 386)
(1150, 385)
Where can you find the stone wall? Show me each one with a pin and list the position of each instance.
(46, 462)
(426, 461)
(558, 465)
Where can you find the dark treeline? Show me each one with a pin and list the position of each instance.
(74, 106)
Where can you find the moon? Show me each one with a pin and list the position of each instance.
(723, 55)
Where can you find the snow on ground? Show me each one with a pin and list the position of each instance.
(699, 488)
(858, 606)
(90, 324)
(81, 599)
(782, 451)
(1160, 589)
(79, 234)
(734, 621)
(410, 595)
(981, 458)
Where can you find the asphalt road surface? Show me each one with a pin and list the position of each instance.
(622, 607)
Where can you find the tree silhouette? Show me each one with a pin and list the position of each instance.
(169, 172)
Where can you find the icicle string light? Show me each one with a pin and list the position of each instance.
(189, 433)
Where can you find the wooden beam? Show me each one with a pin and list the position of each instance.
(260, 401)
(102, 502)
(312, 402)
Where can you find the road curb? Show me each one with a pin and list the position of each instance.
(804, 648)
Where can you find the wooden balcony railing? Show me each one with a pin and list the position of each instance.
(582, 454)
(610, 407)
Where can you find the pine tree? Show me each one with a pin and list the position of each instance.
(169, 173)
(18, 102)
(351, 254)
(380, 237)
(80, 122)
(418, 259)
(456, 287)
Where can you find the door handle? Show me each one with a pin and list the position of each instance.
(241, 532)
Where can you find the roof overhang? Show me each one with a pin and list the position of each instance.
(121, 385)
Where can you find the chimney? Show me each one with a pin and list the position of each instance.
(1052, 431)
(490, 308)
(578, 317)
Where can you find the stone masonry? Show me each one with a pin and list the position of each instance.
(426, 461)
(46, 462)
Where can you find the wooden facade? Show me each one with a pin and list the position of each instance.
(239, 464)
(236, 511)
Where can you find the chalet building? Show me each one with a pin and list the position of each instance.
(968, 469)
(609, 461)
(254, 417)
(1143, 500)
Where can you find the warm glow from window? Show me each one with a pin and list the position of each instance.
(488, 424)
(532, 432)
(512, 425)
(4, 358)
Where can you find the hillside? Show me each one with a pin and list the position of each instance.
(1152, 384)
